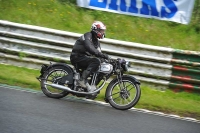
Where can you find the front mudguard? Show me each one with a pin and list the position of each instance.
(135, 80)
(128, 76)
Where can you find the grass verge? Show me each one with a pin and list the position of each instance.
(183, 104)
(66, 15)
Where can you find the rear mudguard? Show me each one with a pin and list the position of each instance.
(60, 64)
(45, 68)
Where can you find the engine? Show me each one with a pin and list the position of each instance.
(105, 68)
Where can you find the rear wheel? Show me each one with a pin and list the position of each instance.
(53, 75)
(125, 95)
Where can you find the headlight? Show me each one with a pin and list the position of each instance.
(124, 64)
(127, 65)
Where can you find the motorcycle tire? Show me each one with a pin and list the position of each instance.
(52, 76)
(123, 98)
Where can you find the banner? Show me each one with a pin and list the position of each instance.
(179, 11)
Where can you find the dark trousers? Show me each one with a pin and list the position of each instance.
(91, 64)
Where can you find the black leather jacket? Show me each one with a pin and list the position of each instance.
(89, 45)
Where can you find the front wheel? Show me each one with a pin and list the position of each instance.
(124, 95)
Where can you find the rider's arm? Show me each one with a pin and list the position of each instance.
(91, 49)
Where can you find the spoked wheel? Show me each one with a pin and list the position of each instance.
(53, 75)
(125, 95)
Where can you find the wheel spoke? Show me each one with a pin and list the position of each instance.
(53, 77)
(124, 83)
(116, 98)
(128, 86)
(118, 87)
(61, 73)
(129, 98)
(120, 101)
(126, 94)
(115, 93)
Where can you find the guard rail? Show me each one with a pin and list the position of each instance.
(30, 46)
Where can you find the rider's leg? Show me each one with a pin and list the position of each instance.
(92, 66)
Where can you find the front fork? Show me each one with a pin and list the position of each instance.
(124, 93)
(121, 84)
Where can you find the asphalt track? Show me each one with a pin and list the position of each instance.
(32, 112)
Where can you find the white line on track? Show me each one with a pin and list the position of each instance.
(106, 104)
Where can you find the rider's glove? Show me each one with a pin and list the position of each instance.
(105, 56)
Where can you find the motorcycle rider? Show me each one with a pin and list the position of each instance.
(87, 51)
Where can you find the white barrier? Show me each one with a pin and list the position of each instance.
(31, 46)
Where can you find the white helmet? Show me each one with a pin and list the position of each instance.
(99, 29)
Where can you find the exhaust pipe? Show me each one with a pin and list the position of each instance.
(60, 87)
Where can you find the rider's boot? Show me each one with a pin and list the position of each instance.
(83, 81)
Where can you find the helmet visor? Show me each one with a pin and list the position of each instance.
(103, 32)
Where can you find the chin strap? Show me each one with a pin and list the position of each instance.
(97, 33)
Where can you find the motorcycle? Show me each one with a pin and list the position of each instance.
(123, 91)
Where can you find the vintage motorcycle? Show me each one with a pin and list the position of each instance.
(123, 92)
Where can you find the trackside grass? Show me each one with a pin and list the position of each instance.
(65, 15)
(183, 104)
